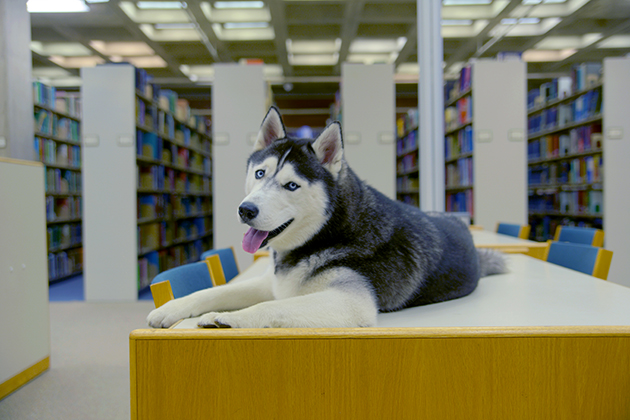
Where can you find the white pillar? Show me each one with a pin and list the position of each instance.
(368, 99)
(238, 108)
(616, 170)
(431, 105)
(16, 92)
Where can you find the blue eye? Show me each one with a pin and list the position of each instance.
(259, 174)
(291, 186)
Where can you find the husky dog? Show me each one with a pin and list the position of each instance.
(341, 250)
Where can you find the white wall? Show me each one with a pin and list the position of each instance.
(238, 108)
(110, 253)
(500, 142)
(25, 326)
(369, 128)
(616, 153)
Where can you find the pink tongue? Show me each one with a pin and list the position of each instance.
(252, 240)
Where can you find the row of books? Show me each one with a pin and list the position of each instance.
(68, 103)
(66, 263)
(51, 124)
(459, 173)
(62, 181)
(452, 88)
(408, 122)
(408, 143)
(587, 169)
(64, 235)
(461, 113)
(578, 140)
(62, 208)
(165, 205)
(544, 228)
(411, 199)
(407, 163)
(49, 151)
(162, 234)
(44, 95)
(158, 177)
(558, 88)
(586, 202)
(585, 106)
(459, 143)
(586, 75)
(151, 264)
(460, 202)
(407, 184)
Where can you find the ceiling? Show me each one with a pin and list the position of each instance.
(303, 43)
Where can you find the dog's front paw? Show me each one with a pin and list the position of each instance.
(171, 312)
(238, 319)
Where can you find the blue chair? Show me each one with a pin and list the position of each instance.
(580, 235)
(584, 258)
(186, 279)
(517, 231)
(228, 261)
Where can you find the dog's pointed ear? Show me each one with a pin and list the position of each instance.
(329, 148)
(271, 129)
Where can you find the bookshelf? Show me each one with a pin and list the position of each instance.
(57, 144)
(407, 159)
(147, 172)
(484, 146)
(565, 153)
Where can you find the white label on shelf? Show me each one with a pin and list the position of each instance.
(125, 141)
(516, 134)
(90, 140)
(614, 133)
(252, 137)
(3, 142)
(386, 138)
(221, 139)
(352, 137)
(483, 136)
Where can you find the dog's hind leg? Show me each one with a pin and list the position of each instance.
(333, 307)
(228, 297)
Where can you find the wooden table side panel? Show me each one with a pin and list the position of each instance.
(405, 378)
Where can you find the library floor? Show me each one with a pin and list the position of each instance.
(89, 360)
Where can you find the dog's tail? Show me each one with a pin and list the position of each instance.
(491, 262)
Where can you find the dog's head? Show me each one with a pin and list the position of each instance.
(288, 185)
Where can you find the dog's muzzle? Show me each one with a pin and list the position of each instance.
(247, 212)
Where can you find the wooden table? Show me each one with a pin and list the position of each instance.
(541, 341)
(508, 244)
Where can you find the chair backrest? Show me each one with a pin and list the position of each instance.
(580, 235)
(228, 261)
(517, 231)
(186, 279)
(584, 258)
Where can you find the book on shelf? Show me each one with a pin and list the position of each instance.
(460, 202)
(64, 263)
(460, 173)
(586, 75)
(459, 143)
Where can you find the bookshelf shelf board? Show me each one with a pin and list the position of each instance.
(142, 96)
(565, 157)
(65, 276)
(453, 188)
(407, 152)
(63, 194)
(410, 171)
(178, 120)
(151, 161)
(457, 128)
(567, 186)
(64, 220)
(192, 216)
(594, 118)
(146, 220)
(63, 114)
(556, 213)
(65, 247)
(555, 102)
(58, 139)
(456, 158)
(58, 166)
(408, 191)
(145, 128)
(173, 243)
(456, 98)
(186, 146)
(193, 193)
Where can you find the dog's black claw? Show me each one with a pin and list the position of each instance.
(209, 326)
(221, 325)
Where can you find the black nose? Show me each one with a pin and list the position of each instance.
(247, 211)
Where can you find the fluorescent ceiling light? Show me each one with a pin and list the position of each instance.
(372, 58)
(245, 25)
(122, 48)
(67, 49)
(547, 55)
(313, 59)
(166, 35)
(465, 2)
(456, 22)
(169, 26)
(152, 61)
(464, 31)
(49, 72)
(161, 5)
(250, 34)
(324, 46)
(239, 4)
(56, 6)
(528, 2)
(367, 45)
(153, 15)
(615, 41)
(76, 62)
(522, 21)
(564, 42)
(96, 1)
(408, 68)
(525, 30)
